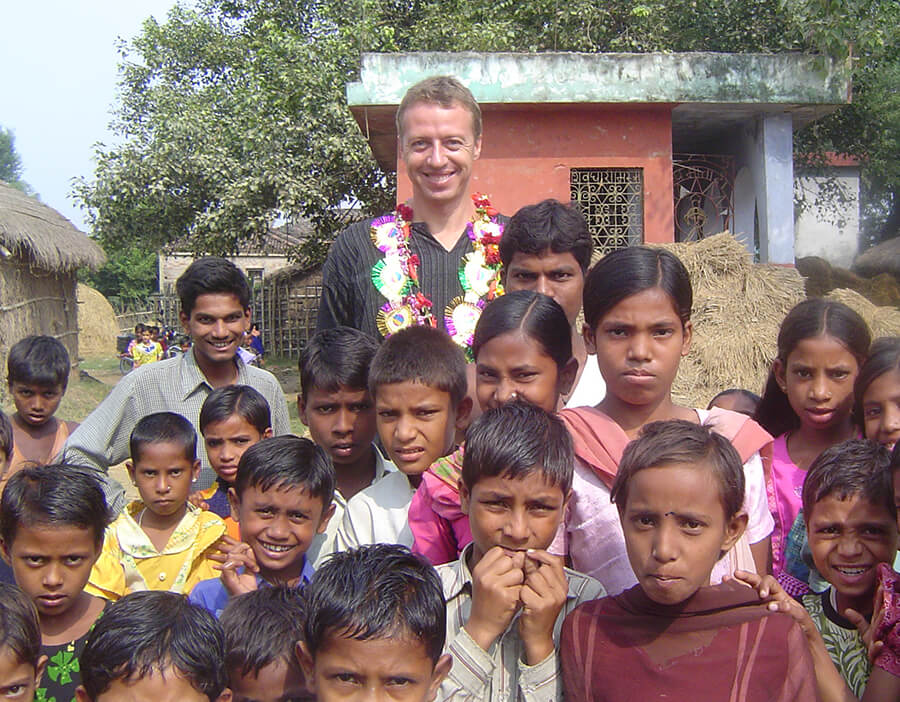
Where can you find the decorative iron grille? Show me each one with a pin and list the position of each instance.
(703, 188)
(612, 202)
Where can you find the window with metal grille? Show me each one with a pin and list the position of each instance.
(612, 202)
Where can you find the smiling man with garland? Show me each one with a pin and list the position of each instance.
(215, 312)
(435, 260)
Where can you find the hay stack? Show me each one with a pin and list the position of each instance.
(97, 327)
(738, 307)
(882, 321)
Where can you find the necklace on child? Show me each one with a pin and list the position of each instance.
(396, 275)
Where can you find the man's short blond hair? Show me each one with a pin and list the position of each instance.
(444, 91)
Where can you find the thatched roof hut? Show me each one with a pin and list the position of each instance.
(40, 255)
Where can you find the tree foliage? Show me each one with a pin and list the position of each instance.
(128, 278)
(234, 113)
(11, 166)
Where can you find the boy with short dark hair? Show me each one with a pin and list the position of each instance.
(335, 404)
(52, 521)
(161, 541)
(262, 629)
(547, 248)
(21, 662)
(851, 526)
(418, 382)
(281, 499)
(154, 645)
(506, 596)
(679, 490)
(376, 615)
(37, 375)
(215, 312)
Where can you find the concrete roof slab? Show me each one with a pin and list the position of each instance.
(789, 79)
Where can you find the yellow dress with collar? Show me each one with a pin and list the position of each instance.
(129, 562)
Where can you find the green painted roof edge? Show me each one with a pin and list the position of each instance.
(510, 78)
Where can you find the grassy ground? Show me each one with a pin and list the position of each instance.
(101, 373)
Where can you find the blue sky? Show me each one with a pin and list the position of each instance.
(58, 84)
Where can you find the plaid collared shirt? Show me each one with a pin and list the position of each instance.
(173, 385)
(500, 673)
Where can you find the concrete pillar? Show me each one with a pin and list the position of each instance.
(775, 190)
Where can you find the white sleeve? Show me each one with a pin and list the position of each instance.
(760, 523)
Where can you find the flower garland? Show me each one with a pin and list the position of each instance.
(396, 275)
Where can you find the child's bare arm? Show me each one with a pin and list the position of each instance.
(496, 586)
(543, 596)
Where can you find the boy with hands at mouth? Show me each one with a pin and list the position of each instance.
(506, 596)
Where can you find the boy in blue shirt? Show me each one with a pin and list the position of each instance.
(281, 499)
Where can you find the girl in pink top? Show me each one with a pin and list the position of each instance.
(523, 350)
(808, 404)
(637, 308)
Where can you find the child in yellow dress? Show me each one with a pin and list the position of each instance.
(160, 542)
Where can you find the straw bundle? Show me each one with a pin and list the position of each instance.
(97, 328)
(738, 307)
(882, 321)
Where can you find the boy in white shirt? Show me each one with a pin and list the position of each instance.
(418, 383)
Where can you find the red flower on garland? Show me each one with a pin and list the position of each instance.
(491, 212)
(405, 212)
(491, 255)
(413, 261)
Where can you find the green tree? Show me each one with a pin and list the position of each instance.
(234, 114)
(11, 166)
(129, 276)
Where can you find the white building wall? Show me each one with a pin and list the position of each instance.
(830, 232)
(170, 267)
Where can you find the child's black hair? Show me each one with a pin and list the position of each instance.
(884, 356)
(376, 592)
(242, 400)
(38, 360)
(515, 440)
(163, 428)
(677, 442)
(284, 462)
(334, 358)
(54, 495)
(20, 629)
(262, 627)
(210, 275)
(6, 439)
(854, 467)
(626, 272)
(537, 316)
(808, 320)
(421, 354)
(547, 225)
(751, 397)
(154, 631)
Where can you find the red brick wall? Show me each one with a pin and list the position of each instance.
(529, 149)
